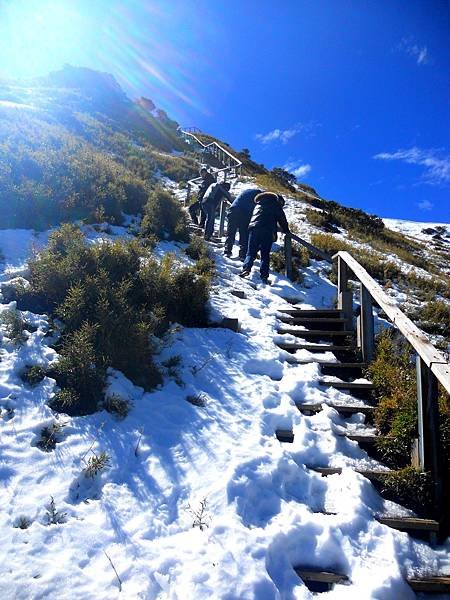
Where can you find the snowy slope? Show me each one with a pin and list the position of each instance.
(264, 506)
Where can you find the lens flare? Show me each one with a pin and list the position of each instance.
(152, 48)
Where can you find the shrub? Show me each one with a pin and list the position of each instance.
(50, 436)
(14, 325)
(394, 377)
(33, 375)
(164, 217)
(409, 487)
(116, 405)
(96, 464)
(113, 297)
(53, 516)
(23, 522)
(320, 219)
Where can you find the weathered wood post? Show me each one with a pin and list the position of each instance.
(365, 329)
(222, 218)
(428, 428)
(345, 296)
(188, 195)
(288, 256)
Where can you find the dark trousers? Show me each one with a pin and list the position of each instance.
(237, 221)
(194, 209)
(209, 208)
(259, 239)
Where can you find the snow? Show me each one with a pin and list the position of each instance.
(266, 509)
(415, 229)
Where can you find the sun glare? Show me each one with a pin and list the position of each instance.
(35, 35)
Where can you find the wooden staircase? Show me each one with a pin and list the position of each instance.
(331, 325)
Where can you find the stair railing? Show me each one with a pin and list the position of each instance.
(232, 168)
(431, 364)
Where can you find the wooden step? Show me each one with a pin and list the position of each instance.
(319, 581)
(439, 584)
(320, 333)
(361, 438)
(330, 365)
(348, 385)
(285, 435)
(369, 473)
(314, 312)
(342, 409)
(294, 346)
(312, 321)
(410, 523)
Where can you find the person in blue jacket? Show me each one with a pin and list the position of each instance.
(214, 194)
(239, 215)
(268, 214)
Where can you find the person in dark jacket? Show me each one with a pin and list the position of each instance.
(239, 215)
(208, 179)
(267, 215)
(214, 194)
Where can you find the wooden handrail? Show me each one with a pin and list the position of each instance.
(312, 249)
(235, 167)
(432, 357)
(431, 365)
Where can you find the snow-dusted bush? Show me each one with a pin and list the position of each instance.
(164, 217)
(112, 298)
(393, 373)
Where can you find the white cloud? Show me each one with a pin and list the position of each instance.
(297, 168)
(425, 205)
(435, 163)
(282, 135)
(412, 48)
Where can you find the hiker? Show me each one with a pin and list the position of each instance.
(263, 231)
(239, 215)
(214, 194)
(208, 179)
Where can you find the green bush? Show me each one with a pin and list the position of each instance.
(112, 297)
(14, 325)
(33, 375)
(394, 376)
(164, 217)
(408, 487)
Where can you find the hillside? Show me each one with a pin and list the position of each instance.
(138, 436)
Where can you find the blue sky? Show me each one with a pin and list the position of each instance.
(352, 95)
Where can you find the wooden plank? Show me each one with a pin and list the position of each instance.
(311, 312)
(331, 365)
(320, 576)
(360, 438)
(314, 332)
(439, 584)
(292, 347)
(429, 354)
(410, 523)
(347, 385)
(428, 429)
(369, 473)
(310, 320)
(285, 435)
(340, 408)
(366, 328)
(288, 256)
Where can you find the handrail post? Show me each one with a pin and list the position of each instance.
(345, 296)
(188, 195)
(365, 329)
(222, 218)
(288, 256)
(428, 428)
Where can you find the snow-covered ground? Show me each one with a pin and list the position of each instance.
(265, 510)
